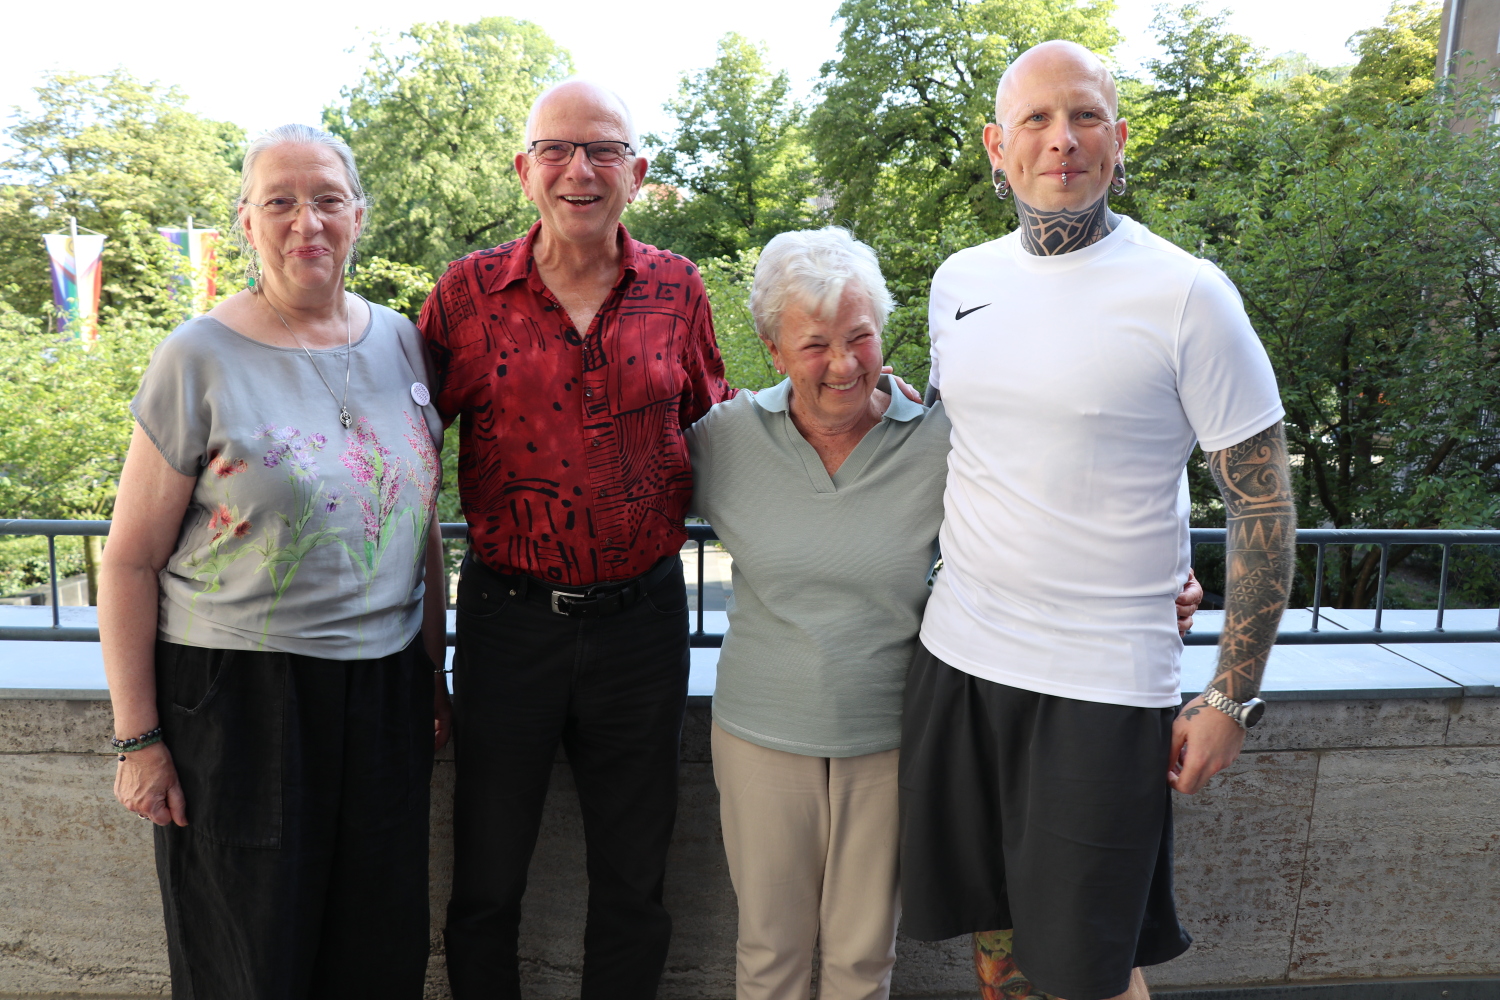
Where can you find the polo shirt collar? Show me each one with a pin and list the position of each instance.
(522, 262)
(779, 397)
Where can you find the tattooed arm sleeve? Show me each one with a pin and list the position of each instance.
(1255, 483)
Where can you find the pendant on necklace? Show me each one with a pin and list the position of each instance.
(344, 417)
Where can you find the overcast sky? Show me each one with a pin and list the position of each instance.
(268, 63)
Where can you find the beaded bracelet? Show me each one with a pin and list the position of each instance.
(136, 742)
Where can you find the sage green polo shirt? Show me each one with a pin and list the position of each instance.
(829, 572)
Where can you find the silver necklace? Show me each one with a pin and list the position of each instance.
(344, 417)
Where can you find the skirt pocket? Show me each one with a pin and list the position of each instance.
(223, 716)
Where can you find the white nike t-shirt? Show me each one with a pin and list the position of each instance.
(1077, 386)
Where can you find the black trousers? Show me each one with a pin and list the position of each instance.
(612, 690)
(302, 872)
(1044, 814)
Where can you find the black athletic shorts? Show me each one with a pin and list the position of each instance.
(1045, 814)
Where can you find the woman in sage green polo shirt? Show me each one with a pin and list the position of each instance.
(827, 489)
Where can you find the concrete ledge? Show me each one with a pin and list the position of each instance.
(1354, 839)
(1468, 988)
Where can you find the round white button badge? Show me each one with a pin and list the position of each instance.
(420, 394)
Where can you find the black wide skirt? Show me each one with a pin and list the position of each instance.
(302, 871)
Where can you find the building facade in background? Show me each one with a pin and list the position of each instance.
(1469, 44)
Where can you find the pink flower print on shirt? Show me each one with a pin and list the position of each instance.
(371, 521)
(426, 479)
(379, 478)
(429, 476)
(282, 553)
(224, 468)
(365, 457)
(227, 521)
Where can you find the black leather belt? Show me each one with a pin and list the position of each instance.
(597, 601)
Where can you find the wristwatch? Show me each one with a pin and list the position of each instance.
(1246, 714)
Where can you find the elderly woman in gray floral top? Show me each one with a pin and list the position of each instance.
(262, 611)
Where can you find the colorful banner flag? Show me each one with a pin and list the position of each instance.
(200, 247)
(77, 278)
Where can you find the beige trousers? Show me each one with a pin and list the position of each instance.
(812, 846)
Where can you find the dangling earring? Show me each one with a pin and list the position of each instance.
(1117, 185)
(252, 272)
(1001, 182)
(353, 262)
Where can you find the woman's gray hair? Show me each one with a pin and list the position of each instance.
(293, 135)
(812, 267)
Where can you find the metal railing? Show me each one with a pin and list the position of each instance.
(701, 534)
(1383, 539)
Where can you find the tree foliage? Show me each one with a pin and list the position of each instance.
(1396, 58)
(1364, 234)
(123, 157)
(747, 363)
(737, 170)
(435, 123)
(64, 405)
(1361, 227)
(100, 148)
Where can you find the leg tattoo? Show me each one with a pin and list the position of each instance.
(999, 979)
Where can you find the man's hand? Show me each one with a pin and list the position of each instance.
(1187, 603)
(1204, 742)
(906, 390)
(146, 784)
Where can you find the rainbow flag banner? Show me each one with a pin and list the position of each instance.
(200, 247)
(77, 278)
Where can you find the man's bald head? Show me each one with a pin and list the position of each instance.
(573, 94)
(1049, 62)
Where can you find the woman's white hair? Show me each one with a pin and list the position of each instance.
(812, 267)
(292, 135)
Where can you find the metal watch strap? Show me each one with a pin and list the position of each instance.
(1235, 710)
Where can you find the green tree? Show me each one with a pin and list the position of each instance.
(402, 287)
(1192, 118)
(435, 123)
(99, 148)
(897, 135)
(727, 279)
(737, 170)
(1366, 257)
(1396, 58)
(65, 419)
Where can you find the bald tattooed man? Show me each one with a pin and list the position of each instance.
(1041, 736)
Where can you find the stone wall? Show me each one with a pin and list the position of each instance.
(1353, 839)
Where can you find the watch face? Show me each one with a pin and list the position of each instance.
(1254, 709)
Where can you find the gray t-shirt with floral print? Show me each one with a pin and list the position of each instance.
(302, 536)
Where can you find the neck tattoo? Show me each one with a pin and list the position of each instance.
(1047, 234)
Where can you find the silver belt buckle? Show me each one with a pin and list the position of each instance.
(556, 594)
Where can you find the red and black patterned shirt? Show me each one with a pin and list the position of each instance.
(572, 465)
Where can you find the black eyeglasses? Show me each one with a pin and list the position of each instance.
(601, 153)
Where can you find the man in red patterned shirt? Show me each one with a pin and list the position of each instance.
(573, 358)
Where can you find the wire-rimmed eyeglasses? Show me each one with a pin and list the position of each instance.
(325, 204)
(601, 152)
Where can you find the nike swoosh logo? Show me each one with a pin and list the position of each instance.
(964, 312)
